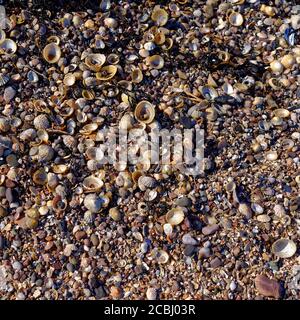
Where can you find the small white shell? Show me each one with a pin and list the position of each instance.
(284, 248)
(175, 216)
(92, 184)
(168, 229)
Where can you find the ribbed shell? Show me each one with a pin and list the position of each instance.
(146, 182)
(41, 122)
(45, 153)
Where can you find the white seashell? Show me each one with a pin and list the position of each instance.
(93, 203)
(168, 229)
(263, 218)
(175, 216)
(151, 294)
(257, 208)
(92, 184)
(284, 248)
(145, 182)
(271, 156)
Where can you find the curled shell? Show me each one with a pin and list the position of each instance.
(8, 46)
(137, 75)
(175, 216)
(159, 16)
(236, 19)
(144, 112)
(145, 182)
(156, 61)
(113, 58)
(284, 248)
(53, 39)
(60, 168)
(107, 73)
(92, 184)
(95, 61)
(52, 52)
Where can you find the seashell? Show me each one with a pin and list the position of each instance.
(60, 168)
(162, 257)
(40, 177)
(69, 79)
(288, 61)
(295, 21)
(113, 58)
(53, 39)
(159, 16)
(284, 248)
(105, 5)
(32, 76)
(136, 75)
(168, 44)
(271, 155)
(126, 122)
(88, 94)
(59, 204)
(211, 114)
(208, 92)
(107, 73)
(276, 66)
(279, 210)
(277, 121)
(92, 184)
(145, 182)
(41, 122)
(2, 35)
(151, 294)
(95, 61)
(268, 10)
(52, 53)
(111, 23)
(159, 38)
(28, 135)
(155, 61)
(9, 94)
(263, 218)
(8, 46)
(224, 56)
(168, 229)
(245, 210)
(93, 203)
(275, 83)
(115, 214)
(52, 181)
(4, 124)
(45, 153)
(282, 113)
(235, 19)
(89, 128)
(144, 112)
(3, 79)
(175, 216)
(150, 195)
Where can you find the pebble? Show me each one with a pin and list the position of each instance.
(188, 239)
(267, 287)
(9, 94)
(151, 294)
(215, 263)
(189, 250)
(210, 229)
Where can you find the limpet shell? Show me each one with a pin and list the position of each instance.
(175, 216)
(144, 112)
(8, 46)
(52, 53)
(95, 61)
(236, 19)
(284, 248)
(45, 153)
(159, 16)
(156, 61)
(92, 184)
(107, 73)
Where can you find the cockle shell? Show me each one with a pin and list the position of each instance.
(95, 61)
(144, 112)
(156, 61)
(92, 184)
(52, 52)
(8, 46)
(107, 73)
(145, 182)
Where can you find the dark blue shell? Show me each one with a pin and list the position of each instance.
(289, 36)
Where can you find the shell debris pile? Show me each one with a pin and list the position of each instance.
(72, 227)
